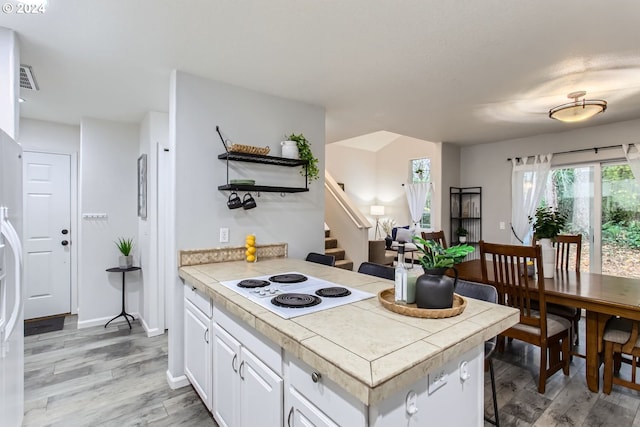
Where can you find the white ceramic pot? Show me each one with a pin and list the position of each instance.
(462, 239)
(125, 261)
(290, 150)
(548, 258)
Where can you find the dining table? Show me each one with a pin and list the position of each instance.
(602, 296)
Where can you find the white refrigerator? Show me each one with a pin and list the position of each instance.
(11, 295)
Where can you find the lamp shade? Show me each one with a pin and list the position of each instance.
(578, 110)
(376, 210)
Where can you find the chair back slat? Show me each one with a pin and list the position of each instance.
(515, 287)
(564, 243)
(438, 236)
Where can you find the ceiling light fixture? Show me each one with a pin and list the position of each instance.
(578, 110)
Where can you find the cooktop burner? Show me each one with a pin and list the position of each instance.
(296, 300)
(253, 283)
(288, 278)
(333, 292)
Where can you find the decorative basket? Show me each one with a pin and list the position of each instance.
(249, 149)
(387, 299)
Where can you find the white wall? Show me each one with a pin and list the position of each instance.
(197, 105)
(9, 82)
(108, 184)
(376, 178)
(154, 136)
(486, 165)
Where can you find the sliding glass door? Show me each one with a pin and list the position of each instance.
(602, 202)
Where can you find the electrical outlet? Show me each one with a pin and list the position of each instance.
(224, 235)
(436, 380)
(502, 225)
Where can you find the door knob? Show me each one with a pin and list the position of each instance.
(64, 242)
(65, 231)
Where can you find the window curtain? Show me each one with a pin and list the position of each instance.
(633, 158)
(417, 197)
(528, 180)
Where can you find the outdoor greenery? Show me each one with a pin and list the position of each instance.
(304, 151)
(124, 245)
(435, 256)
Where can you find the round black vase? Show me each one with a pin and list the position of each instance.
(434, 289)
(388, 241)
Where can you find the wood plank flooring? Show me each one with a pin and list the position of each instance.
(104, 377)
(116, 377)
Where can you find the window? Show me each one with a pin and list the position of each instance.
(421, 172)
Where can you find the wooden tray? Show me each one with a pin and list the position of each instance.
(387, 299)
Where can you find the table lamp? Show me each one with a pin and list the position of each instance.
(377, 211)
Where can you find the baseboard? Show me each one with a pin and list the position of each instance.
(103, 320)
(177, 382)
(151, 332)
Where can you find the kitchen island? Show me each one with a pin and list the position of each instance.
(356, 364)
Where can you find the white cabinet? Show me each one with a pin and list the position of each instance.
(246, 392)
(314, 400)
(303, 413)
(226, 382)
(197, 351)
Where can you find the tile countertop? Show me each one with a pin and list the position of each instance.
(368, 350)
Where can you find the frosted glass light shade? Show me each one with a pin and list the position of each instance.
(578, 110)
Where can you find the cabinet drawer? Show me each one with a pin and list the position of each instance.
(327, 396)
(199, 299)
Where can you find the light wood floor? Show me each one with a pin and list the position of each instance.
(104, 377)
(116, 377)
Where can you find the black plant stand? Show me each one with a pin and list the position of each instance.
(123, 313)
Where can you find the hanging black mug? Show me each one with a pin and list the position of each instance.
(248, 202)
(234, 201)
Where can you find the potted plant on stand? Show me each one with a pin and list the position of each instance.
(387, 226)
(434, 289)
(304, 153)
(126, 259)
(462, 233)
(547, 224)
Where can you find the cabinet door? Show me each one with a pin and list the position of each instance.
(197, 351)
(226, 381)
(303, 413)
(260, 393)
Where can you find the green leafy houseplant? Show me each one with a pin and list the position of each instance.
(434, 256)
(124, 245)
(461, 231)
(547, 222)
(304, 151)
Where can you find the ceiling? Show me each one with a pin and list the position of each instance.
(460, 71)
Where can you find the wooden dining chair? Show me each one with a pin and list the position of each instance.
(438, 236)
(518, 290)
(565, 246)
(620, 338)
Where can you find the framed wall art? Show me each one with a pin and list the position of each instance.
(142, 186)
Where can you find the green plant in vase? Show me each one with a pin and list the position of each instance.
(547, 224)
(125, 246)
(305, 153)
(434, 290)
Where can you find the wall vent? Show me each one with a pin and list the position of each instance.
(27, 81)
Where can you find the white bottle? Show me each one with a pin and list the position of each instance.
(401, 278)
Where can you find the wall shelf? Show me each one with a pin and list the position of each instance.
(262, 188)
(259, 158)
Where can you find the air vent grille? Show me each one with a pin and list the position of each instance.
(27, 81)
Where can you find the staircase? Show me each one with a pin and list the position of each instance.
(331, 248)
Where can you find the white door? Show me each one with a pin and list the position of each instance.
(260, 393)
(303, 413)
(47, 234)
